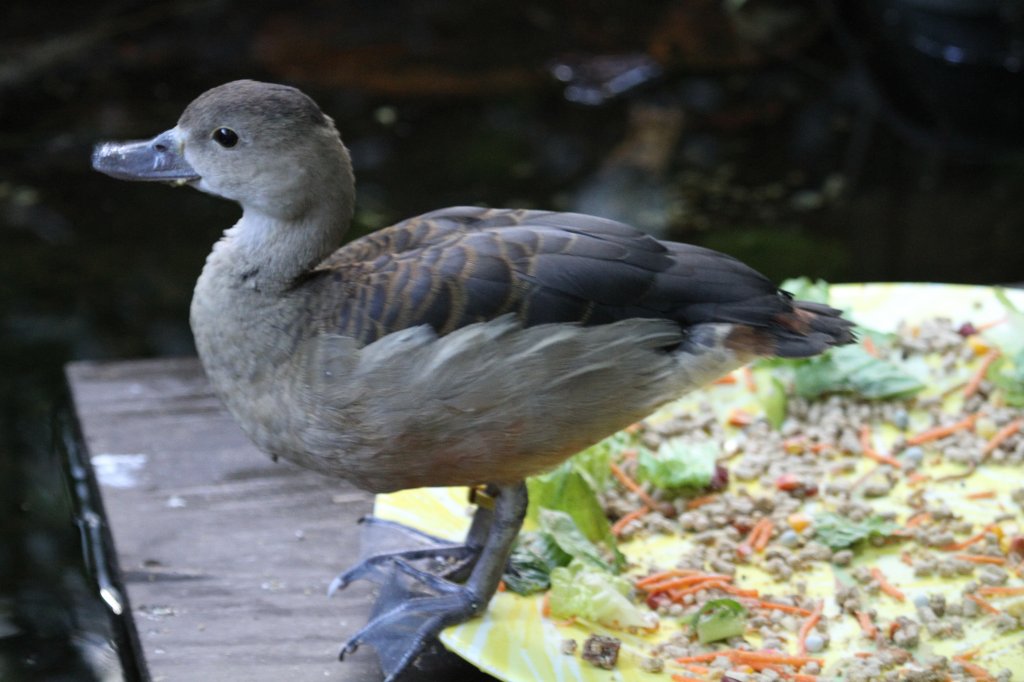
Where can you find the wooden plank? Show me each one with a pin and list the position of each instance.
(226, 554)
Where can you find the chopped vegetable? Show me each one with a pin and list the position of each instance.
(868, 449)
(633, 486)
(679, 463)
(531, 562)
(940, 432)
(719, 619)
(677, 582)
(974, 383)
(886, 586)
(621, 524)
(582, 591)
(838, 532)
(986, 606)
(851, 369)
(1000, 437)
(964, 544)
(866, 624)
(570, 539)
(568, 489)
(808, 625)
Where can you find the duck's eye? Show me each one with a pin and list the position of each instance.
(225, 137)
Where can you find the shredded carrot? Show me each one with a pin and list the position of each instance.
(907, 559)
(967, 655)
(761, 604)
(727, 379)
(766, 534)
(981, 495)
(864, 619)
(938, 432)
(678, 594)
(763, 658)
(621, 524)
(981, 558)
(868, 450)
(977, 537)
(545, 605)
(701, 501)
(985, 606)
(683, 581)
(683, 678)
(664, 575)
(632, 485)
(762, 529)
(869, 346)
(808, 625)
(974, 383)
(975, 670)
(886, 586)
(985, 326)
(1001, 436)
(699, 669)
(799, 677)
(758, 660)
(1002, 591)
(502, 586)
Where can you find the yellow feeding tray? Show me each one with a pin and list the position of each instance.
(514, 641)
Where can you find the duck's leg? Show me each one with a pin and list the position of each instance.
(414, 605)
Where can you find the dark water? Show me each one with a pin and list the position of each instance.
(794, 157)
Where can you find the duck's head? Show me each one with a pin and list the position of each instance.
(266, 146)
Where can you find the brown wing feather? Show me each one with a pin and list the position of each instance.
(457, 266)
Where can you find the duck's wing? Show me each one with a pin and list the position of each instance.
(457, 266)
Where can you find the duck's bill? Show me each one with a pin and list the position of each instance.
(156, 160)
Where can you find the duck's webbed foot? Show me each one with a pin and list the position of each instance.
(415, 604)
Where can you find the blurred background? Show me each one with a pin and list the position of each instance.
(876, 140)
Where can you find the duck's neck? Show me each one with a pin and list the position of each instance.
(270, 253)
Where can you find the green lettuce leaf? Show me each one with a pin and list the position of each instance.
(851, 369)
(570, 539)
(679, 463)
(583, 591)
(771, 393)
(719, 619)
(533, 558)
(839, 532)
(573, 488)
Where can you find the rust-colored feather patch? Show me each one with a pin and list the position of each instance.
(745, 340)
(798, 320)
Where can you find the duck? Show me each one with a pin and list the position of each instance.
(467, 346)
